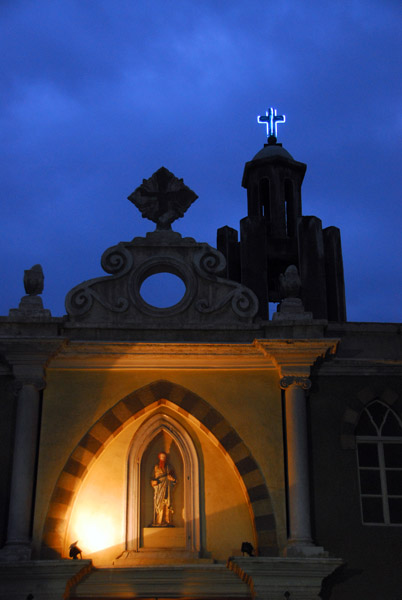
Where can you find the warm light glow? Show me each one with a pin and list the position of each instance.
(94, 530)
(167, 441)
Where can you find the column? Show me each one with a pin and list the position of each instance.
(18, 544)
(300, 541)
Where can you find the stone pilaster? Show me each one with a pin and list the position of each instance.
(294, 359)
(300, 541)
(18, 544)
(28, 359)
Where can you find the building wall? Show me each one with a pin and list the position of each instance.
(371, 552)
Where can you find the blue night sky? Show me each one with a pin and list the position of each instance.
(98, 94)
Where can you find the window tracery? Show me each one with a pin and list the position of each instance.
(379, 459)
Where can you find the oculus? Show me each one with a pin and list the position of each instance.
(162, 290)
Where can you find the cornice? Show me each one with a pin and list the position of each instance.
(289, 357)
(30, 350)
(361, 367)
(99, 355)
(29, 357)
(294, 357)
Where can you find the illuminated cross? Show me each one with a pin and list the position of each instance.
(271, 121)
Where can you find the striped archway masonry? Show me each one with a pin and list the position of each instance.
(113, 421)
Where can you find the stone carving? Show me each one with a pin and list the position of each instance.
(163, 480)
(290, 283)
(243, 301)
(37, 382)
(291, 307)
(34, 280)
(209, 262)
(117, 261)
(130, 263)
(162, 198)
(289, 380)
(31, 305)
(208, 298)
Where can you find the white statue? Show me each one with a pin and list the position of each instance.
(163, 481)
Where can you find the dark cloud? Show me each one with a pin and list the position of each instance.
(98, 95)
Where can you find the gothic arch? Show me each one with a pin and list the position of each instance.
(124, 412)
(148, 430)
(356, 405)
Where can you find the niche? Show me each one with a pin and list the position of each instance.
(162, 442)
(162, 433)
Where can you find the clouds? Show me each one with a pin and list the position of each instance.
(98, 95)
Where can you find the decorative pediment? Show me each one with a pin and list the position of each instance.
(208, 301)
(116, 300)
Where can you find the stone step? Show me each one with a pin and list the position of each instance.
(158, 557)
(195, 581)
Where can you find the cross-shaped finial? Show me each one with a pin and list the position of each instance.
(271, 120)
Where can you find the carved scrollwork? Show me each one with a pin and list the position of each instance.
(244, 303)
(289, 380)
(209, 262)
(116, 260)
(80, 301)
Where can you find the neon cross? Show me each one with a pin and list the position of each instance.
(271, 120)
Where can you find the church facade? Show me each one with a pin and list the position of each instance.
(158, 442)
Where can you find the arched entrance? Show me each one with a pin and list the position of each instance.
(163, 433)
(130, 408)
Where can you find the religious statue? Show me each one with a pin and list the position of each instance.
(163, 480)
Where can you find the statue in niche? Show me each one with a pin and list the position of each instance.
(163, 480)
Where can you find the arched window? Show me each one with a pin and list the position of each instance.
(289, 208)
(379, 459)
(265, 198)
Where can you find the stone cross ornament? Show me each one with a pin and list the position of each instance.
(162, 198)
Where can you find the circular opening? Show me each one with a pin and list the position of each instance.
(162, 290)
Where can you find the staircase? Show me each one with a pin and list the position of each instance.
(191, 582)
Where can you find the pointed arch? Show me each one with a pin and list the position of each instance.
(379, 461)
(124, 412)
(355, 407)
(157, 423)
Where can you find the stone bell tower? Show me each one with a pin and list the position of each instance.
(275, 235)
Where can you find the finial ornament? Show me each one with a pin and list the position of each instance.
(271, 120)
(162, 198)
(33, 280)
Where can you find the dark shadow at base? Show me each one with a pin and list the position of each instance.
(340, 575)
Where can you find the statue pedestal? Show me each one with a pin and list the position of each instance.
(163, 537)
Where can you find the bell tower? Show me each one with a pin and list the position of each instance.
(275, 234)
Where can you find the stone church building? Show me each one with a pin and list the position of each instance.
(203, 450)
